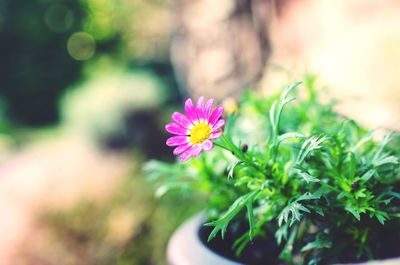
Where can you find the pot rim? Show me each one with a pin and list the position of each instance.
(186, 248)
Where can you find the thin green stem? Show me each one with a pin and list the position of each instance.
(238, 153)
(221, 146)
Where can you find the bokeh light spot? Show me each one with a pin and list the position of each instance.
(81, 46)
(59, 18)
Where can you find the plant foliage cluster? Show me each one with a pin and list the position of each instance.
(298, 172)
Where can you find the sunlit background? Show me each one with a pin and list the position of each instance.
(86, 87)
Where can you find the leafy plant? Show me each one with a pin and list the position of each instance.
(300, 174)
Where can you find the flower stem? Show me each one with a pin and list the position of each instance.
(222, 146)
(231, 147)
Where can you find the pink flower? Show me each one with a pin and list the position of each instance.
(195, 131)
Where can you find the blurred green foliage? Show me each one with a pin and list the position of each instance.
(130, 227)
(35, 66)
(49, 46)
(44, 45)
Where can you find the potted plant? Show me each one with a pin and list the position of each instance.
(287, 182)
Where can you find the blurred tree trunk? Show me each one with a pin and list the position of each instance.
(220, 47)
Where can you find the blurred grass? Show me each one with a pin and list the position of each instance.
(131, 227)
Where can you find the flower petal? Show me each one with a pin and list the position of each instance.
(185, 156)
(181, 119)
(190, 110)
(215, 135)
(207, 108)
(182, 148)
(219, 124)
(215, 115)
(177, 140)
(200, 108)
(176, 129)
(196, 150)
(200, 102)
(207, 145)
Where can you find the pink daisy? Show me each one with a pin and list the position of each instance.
(195, 130)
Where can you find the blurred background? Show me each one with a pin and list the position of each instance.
(86, 87)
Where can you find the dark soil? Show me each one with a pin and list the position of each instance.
(264, 251)
(261, 251)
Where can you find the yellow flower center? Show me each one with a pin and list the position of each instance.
(200, 132)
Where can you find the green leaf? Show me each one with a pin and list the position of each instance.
(361, 193)
(293, 210)
(282, 233)
(288, 89)
(396, 215)
(385, 159)
(243, 240)
(367, 175)
(232, 168)
(277, 107)
(317, 244)
(386, 139)
(230, 120)
(272, 117)
(311, 196)
(165, 188)
(314, 260)
(156, 169)
(381, 218)
(286, 253)
(363, 140)
(307, 177)
(351, 164)
(250, 217)
(353, 211)
(241, 243)
(394, 194)
(317, 209)
(309, 145)
(222, 223)
(380, 158)
(289, 135)
(342, 195)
